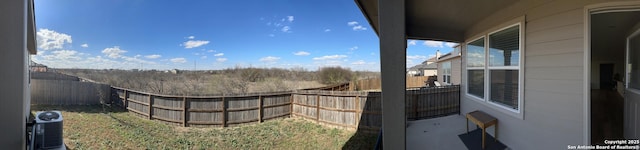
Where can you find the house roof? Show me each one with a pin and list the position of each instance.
(437, 19)
(38, 65)
(432, 59)
(424, 66)
(448, 56)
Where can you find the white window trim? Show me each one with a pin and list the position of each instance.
(627, 71)
(486, 68)
(467, 68)
(519, 67)
(444, 74)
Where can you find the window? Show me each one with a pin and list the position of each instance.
(502, 69)
(446, 72)
(633, 68)
(475, 68)
(504, 58)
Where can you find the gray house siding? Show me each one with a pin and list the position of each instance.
(553, 75)
(455, 70)
(14, 60)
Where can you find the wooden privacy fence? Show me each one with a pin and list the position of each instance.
(347, 109)
(223, 110)
(336, 87)
(68, 92)
(362, 110)
(375, 83)
(53, 76)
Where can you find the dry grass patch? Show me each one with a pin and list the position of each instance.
(95, 127)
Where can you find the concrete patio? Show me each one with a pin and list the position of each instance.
(438, 133)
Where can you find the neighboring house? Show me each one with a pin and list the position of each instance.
(173, 71)
(449, 66)
(36, 67)
(428, 67)
(18, 40)
(532, 64)
(425, 68)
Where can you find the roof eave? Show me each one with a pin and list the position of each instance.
(449, 58)
(367, 16)
(31, 29)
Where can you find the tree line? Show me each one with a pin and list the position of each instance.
(226, 81)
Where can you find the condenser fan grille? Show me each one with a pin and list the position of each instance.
(48, 116)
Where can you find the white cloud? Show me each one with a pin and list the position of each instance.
(301, 53)
(359, 62)
(221, 59)
(356, 26)
(449, 44)
(85, 45)
(359, 28)
(49, 39)
(286, 29)
(178, 60)
(329, 63)
(271, 35)
(417, 57)
(211, 51)
(411, 42)
(136, 60)
(362, 62)
(63, 55)
(99, 62)
(269, 59)
(327, 30)
(113, 52)
(411, 60)
(433, 43)
(194, 43)
(353, 48)
(290, 18)
(203, 57)
(154, 56)
(191, 37)
(329, 57)
(219, 54)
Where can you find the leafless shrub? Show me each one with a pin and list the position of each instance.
(252, 74)
(334, 75)
(230, 85)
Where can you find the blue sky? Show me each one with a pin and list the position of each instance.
(144, 34)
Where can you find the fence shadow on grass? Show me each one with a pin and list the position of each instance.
(369, 124)
(78, 108)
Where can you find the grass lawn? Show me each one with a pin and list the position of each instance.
(95, 127)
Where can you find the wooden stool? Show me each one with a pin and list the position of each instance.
(484, 121)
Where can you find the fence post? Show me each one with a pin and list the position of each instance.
(415, 105)
(185, 110)
(291, 104)
(318, 108)
(259, 108)
(125, 102)
(458, 97)
(224, 112)
(150, 107)
(358, 112)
